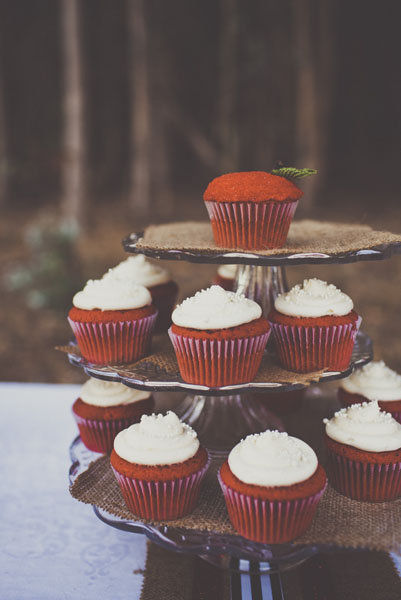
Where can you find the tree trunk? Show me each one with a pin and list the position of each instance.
(74, 200)
(140, 117)
(228, 97)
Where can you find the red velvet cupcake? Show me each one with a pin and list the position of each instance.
(225, 277)
(219, 338)
(374, 381)
(272, 484)
(363, 446)
(314, 327)
(113, 321)
(251, 210)
(141, 271)
(159, 466)
(105, 408)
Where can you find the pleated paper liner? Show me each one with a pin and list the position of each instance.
(99, 435)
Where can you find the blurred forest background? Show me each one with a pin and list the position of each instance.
(117, 113)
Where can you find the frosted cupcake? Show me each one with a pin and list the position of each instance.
(374, 381)
(272, 484)
(314, 327)
(112, 321)
(363, 447)
(104, 408)
(219, 337)
(159, 465)
(156, 279)
(251, 210)
(225, 276)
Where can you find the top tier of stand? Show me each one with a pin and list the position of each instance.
(309, 242)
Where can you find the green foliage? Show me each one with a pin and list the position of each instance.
(51, 275)
(293, 172)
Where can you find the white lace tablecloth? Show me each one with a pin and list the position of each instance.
(53, 547)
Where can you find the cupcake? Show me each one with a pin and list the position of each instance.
(104, 408)
(159, 466)
(363, 445)
(374, 381)
(225, 276)
(112, 321)
(219, 337)
(251, 210)
(314, 327)
(156, 279)
(272, 484)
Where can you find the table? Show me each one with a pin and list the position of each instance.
(53, 547)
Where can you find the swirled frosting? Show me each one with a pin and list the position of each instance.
(315, 298)
(374, 381)
(140, 270)
(109, 393)
(112, 294)
(215, 308)
(157, 440)
(366, 427)
(227, 271)
(272, 459)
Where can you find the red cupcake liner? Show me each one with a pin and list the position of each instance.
(114, 342)
(269, 521)
(303, 349)
(368, 482)
(162, 500)
(99, 435)
(251, 225)
(218, 362)
(165, 304)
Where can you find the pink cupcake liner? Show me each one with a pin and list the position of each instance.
(161, 500)
(368, 482)
(114, 342)
(304, 349)
(251, 225)
(99, 435)
(269, 522)
(218, 362)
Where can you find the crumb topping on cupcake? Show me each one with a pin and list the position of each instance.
(314, 298)
(112, 294)
(157, 440)
(366, 427)
(272, 458)
(215, 308)
(140, 270)
(97, 392)
(251, 186)
(374, 381)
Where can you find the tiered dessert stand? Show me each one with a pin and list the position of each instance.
(222, 416)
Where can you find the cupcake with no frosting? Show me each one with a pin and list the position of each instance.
(159, 465)
(219, 337)
(156, 279)
(251, 210)
(363, 446)
(104, 408)
(113, 321)
(374, 381)
(225, 276)
(272, 484)
(314, 327)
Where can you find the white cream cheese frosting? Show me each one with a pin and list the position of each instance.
(112, 294)
(314, 298)
(215, 308)
(272, 459)
(366, 427)
(157, 440)
(227, 271)
(109, 393)
(140, 270)
(374, 381)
